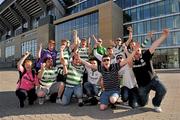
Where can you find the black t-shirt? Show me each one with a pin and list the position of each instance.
(143, 69)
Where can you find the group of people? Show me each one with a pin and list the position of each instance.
(121, 71)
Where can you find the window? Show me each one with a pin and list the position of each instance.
(176, 21)
(177, 36)
(85, 25)
(146, 11)
(9, 51)
(30, 46)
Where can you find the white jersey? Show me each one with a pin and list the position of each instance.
(129, 79)
(93, 76)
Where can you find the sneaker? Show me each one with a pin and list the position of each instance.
(58, 101)
(157, 109)
(41, 100)
(80, 104)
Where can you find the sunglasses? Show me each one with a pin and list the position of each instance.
(104, 60)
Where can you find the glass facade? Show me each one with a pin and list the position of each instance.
(83, 4)
(9, 51)
(148, 15)
(144, 16)
(85, 25)
(30, 46)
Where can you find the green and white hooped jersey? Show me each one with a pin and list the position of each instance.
(74, 76)
(66, 54)
(49, 76)
(83, 52)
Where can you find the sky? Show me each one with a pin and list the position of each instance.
(1, 1)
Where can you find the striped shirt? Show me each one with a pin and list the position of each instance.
(110, 77)
(74, 76)
(66, 54)
(83, 52)
(49, 76)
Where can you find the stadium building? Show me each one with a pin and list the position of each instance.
(24, 24)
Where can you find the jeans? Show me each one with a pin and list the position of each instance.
(91, 89)
(69, 91)
(130, 95)
(159, 89)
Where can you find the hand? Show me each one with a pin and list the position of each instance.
(62, 47)
(136, 47)
(63, 62)
(43, 65)
(130, 29)
(27, 53)
(150, 34)
(165, 32)
(75, 32)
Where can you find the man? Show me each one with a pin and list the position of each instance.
(48, 80)
(146, 77)
(43, 53)
(110, 79)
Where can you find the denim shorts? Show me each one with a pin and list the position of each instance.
(105, 96)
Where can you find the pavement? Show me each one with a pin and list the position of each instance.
(9, 109)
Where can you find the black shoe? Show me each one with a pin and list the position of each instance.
(80, 104)
(31, 102)
(21, 104)
(113, 106)
(94, 101)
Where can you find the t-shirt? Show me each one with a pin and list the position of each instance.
(44, 54)
(143, 69)
(93, 76)
(129, 79)
(66, 54)
(49, 77)
(74, 75)
(27, 81)
(111, 77)
(83, 53)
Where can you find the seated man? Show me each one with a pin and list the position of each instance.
(48, 84)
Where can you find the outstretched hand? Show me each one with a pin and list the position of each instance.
(165, 32)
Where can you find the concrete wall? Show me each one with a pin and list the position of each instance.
(42, 34)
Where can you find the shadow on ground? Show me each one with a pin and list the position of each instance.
(9, 107)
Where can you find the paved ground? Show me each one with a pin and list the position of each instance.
(51, 111)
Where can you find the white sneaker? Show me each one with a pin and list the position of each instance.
(157, 109)
(58, 101)
(41, 100)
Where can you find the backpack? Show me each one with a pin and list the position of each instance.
(21, 75)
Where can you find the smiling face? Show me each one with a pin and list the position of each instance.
(28, 65)
(83, 43)
(51, 45)
(49, 62)
(106, 62)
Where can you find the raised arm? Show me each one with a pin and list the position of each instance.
(130, 35)
(147, 39)
(39, 52)
(89, 46)
(158, 42)
(97, 55)
(75, 39)
(62, 60)
(40, 74)
(20, 62)
(130, 57)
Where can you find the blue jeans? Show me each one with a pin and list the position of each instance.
(159, 89)
(91, 89)
(69, 91)
(105, 96)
